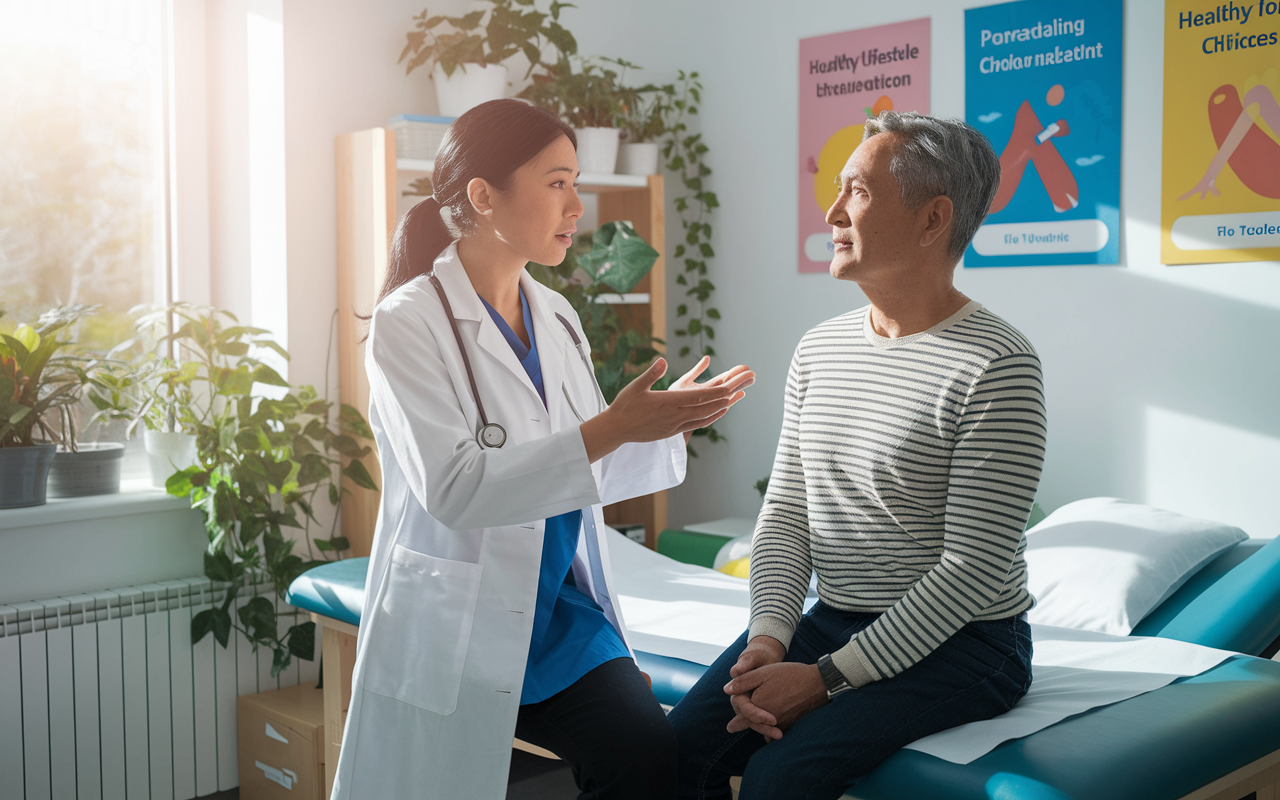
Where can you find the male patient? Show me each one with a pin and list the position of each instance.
(912, 441)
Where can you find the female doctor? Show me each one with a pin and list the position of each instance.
(490, 609)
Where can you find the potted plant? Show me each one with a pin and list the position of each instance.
(467, 57)
(642, 119)
(263, 465)
(40, 384)
(590, 100)
(152, 390)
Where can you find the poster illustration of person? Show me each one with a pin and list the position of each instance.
(1043, 83)
(1220, 198)
(845, 79)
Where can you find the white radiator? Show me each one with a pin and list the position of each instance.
(103, 696)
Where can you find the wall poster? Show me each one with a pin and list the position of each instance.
(846, 78)
(1043, 82)
(1220, 194)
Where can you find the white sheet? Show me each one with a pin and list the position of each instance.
(691, 612)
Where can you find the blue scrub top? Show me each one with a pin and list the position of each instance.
(571, 635)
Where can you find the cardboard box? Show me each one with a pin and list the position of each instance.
(281, 741)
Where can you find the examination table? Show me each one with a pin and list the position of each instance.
(1213, 736)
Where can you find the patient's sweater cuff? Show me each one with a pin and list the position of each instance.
(776, 627)
(850, 662)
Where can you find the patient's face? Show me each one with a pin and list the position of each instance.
(875, 235)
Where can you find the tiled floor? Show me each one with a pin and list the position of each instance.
(532, 778)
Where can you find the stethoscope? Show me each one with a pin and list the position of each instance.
(491, 434)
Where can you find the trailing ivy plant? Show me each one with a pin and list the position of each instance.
(684, 154)
(263, 464)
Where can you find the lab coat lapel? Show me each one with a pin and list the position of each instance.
(551, 338)
(467, 306)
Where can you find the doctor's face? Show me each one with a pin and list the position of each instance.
(537, 214)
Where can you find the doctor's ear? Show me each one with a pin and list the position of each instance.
(480, 193)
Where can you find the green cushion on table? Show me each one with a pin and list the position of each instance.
(691, 547)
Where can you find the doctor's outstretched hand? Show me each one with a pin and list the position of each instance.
(640, 414)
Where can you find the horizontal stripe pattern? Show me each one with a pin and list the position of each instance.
(904, 476)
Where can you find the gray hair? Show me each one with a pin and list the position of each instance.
(945, 157)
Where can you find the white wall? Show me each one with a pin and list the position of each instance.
(1161, 381)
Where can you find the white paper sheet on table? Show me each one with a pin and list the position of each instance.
(690, 612)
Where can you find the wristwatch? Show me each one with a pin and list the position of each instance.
(832, 677)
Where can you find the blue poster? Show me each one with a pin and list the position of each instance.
(1043, 82)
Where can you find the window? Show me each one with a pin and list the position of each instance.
(83, 156)
(82, 160)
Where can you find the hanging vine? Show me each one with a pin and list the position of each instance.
(684, 154)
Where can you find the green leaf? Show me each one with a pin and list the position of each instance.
(201, 624)
(259, 617)
(347, 446)
(359, 475)
(352, 422)
(218, 621)
(269, 376)
(619, 257)
(302, 640)
(340, 543)
(279, 661)
(313, 469)
(218, 567)
(233, 382)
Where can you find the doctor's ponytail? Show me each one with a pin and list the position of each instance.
(491, 141)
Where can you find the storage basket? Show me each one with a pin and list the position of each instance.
(418, 137)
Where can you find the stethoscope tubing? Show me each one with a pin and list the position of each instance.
(491, 434)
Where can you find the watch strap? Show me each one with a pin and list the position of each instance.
(832, 677)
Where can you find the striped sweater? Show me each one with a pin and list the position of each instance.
(904, 476)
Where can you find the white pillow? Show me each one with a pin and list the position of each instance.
(1102, 564)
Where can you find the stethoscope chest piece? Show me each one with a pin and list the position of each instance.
(492, 435)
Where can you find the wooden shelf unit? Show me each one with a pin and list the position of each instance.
(367, 199)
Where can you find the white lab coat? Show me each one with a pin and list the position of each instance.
(453, 576)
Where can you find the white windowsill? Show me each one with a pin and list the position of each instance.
(134, 497)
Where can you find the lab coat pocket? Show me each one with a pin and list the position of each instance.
(423, 628)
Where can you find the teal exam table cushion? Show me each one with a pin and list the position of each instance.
(333, 590)
(1164, 743)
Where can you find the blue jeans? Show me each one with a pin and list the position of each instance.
(980, 672)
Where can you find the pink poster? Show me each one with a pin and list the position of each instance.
(845, 78)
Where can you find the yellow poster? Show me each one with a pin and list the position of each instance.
(1221, 184)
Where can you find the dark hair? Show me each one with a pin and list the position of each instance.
(491, 141)
(948, 157)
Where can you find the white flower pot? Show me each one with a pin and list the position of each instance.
(597, 150)
(640, 158)
(168, 453)
(468, 86)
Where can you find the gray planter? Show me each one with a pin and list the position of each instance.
(93, 469)
(24, 472)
